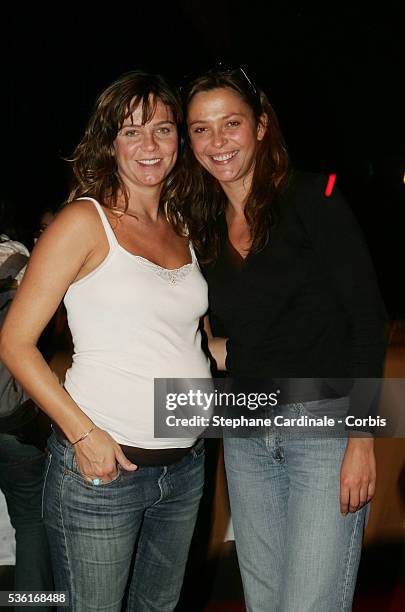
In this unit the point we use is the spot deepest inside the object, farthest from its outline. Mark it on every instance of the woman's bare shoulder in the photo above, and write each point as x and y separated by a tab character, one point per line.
76	219
82	209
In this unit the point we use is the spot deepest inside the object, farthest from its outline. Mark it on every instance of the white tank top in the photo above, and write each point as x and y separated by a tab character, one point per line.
133	321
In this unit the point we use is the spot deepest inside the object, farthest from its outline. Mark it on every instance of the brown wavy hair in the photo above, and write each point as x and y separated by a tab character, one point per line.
203	200
95	172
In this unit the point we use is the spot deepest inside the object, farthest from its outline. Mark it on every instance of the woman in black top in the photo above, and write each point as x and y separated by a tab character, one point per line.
292	288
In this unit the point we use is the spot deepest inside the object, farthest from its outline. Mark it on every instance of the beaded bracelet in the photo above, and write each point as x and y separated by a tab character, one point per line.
84	436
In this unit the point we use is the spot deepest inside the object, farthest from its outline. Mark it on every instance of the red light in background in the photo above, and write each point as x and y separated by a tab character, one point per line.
330	185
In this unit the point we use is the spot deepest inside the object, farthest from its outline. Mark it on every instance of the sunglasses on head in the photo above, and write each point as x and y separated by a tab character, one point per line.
219	68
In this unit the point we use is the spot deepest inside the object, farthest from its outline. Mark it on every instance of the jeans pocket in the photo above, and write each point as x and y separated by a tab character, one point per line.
77	475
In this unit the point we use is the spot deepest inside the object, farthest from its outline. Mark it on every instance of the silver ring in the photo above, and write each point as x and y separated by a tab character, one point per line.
96	481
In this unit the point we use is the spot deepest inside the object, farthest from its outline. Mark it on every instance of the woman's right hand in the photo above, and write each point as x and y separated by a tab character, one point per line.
97	456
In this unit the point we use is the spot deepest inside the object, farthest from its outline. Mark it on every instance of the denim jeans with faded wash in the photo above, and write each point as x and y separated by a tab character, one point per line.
122	545
21	480
296	551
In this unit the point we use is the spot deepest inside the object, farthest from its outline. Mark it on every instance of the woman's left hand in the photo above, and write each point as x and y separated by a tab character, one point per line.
357	474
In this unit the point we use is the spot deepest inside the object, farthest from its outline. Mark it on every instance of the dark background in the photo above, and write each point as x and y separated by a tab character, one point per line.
334	75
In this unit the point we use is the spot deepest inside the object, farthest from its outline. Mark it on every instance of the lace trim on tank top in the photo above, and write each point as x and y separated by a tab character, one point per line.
174	276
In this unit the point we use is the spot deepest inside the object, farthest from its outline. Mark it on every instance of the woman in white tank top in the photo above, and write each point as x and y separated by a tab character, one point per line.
119	504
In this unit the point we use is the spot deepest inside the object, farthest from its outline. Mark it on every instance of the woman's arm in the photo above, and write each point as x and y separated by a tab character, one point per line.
216	346
70	248
344	256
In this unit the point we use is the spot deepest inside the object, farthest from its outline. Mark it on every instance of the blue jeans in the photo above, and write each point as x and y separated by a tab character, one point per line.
296	551
124	544
21	480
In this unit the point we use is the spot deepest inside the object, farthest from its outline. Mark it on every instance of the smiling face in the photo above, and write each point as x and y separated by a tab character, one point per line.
146	153
224	134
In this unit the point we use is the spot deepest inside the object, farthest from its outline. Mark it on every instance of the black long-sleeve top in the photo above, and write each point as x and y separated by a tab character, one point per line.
308	304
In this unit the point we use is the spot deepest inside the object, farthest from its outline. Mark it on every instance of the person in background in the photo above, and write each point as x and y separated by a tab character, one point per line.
22	443
293	292
119	504
45	219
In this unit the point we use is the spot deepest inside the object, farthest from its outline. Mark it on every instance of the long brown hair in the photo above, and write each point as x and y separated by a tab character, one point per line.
94	166
203	197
